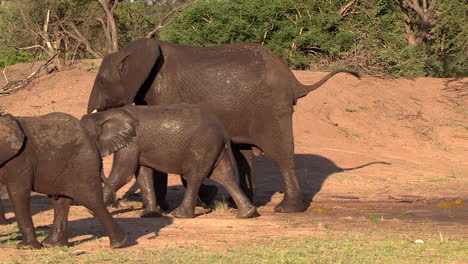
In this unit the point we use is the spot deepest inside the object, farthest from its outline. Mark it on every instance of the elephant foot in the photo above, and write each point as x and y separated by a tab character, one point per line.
110	197
53	241
248	211
29	245
291	206
119	240
206	195
150	213
180	212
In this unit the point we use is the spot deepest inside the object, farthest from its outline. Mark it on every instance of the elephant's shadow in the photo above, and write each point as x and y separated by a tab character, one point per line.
312	171
90	229
39	203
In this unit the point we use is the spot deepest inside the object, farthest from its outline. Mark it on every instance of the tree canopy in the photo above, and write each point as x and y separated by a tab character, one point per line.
385	37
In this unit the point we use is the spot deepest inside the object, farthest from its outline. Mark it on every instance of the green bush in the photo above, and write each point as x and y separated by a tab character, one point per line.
312	35
10	56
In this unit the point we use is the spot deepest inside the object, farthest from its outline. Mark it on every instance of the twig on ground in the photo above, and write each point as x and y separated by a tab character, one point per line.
13	86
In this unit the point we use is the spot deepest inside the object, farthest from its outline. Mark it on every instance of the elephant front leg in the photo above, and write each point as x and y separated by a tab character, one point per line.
148	184
59	233
124	167
19	196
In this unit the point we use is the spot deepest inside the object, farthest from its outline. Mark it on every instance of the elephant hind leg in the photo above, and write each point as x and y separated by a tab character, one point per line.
59	233
19	194
278	145
3	220
91	198
244	159
226	174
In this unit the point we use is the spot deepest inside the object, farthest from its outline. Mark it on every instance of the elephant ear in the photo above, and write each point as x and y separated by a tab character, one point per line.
116	132
11	138
136	62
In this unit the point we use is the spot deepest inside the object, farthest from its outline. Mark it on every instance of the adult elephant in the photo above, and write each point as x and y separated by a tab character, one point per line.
250	89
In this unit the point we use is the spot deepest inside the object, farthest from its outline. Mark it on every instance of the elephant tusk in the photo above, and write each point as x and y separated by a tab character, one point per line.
94	111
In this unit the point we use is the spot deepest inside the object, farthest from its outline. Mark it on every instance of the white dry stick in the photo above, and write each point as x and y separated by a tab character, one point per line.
4	74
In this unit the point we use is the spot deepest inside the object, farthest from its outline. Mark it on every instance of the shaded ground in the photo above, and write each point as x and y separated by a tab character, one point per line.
371	154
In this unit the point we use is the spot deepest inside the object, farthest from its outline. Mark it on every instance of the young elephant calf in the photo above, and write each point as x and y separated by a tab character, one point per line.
182	139
54	155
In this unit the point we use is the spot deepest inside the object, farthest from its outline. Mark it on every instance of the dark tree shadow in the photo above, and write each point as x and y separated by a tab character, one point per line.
134	227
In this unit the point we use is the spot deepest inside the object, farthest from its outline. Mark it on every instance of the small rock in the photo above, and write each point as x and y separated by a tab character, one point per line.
79	252
419	241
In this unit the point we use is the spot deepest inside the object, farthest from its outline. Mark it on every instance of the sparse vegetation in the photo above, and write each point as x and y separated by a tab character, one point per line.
367	247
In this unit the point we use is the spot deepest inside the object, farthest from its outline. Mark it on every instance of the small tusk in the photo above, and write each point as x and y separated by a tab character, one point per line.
94	111
133	104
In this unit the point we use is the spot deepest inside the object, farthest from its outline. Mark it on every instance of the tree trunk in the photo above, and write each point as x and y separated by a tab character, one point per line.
109	26
425	12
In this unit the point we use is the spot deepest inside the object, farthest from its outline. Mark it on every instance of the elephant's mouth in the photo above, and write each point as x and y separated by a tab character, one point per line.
257	151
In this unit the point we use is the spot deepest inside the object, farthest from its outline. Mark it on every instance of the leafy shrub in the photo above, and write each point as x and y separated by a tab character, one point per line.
10	56
312	34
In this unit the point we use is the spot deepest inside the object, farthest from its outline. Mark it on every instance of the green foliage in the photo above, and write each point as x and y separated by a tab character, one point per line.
312	34
449	41
10	56
307	34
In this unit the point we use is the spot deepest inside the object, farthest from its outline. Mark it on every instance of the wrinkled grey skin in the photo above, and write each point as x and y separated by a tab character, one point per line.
53	155
182	139
250	89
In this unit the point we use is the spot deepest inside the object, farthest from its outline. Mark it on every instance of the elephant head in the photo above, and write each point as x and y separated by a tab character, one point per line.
112	129
11	138
122	74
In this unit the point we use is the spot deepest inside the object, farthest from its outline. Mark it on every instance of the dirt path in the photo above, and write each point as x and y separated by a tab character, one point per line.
369	153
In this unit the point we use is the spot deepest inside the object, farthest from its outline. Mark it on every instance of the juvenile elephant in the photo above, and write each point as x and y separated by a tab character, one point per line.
182	139
53	155
250	89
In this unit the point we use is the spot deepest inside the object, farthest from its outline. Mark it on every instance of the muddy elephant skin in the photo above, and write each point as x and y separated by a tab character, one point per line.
182	139
250	89
53	155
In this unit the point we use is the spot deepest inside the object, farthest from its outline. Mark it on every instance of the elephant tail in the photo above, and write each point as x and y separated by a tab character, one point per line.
302	90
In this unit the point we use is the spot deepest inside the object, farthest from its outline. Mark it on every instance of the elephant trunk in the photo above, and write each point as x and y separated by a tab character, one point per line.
96	101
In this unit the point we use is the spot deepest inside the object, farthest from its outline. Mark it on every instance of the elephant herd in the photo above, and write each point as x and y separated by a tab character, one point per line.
160	108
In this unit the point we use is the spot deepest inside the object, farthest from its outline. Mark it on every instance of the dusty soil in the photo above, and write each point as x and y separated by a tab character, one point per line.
368	152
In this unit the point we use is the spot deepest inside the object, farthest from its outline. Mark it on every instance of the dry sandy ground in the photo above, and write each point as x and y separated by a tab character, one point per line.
403	144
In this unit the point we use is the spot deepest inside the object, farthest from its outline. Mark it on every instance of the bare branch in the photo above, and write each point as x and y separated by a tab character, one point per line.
164	21
114	6
4	74
85	41
113	46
